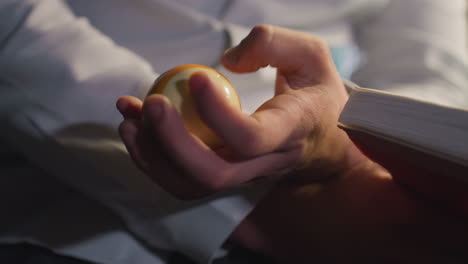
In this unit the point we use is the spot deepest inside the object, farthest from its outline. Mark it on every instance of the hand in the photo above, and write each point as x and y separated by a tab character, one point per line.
361	216
294	131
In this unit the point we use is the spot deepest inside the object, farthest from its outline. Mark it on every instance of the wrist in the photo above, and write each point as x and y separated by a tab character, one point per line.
335	155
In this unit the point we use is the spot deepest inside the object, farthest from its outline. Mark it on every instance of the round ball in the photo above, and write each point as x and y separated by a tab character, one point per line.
174	85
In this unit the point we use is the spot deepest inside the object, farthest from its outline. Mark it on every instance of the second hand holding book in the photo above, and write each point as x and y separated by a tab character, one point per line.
423	145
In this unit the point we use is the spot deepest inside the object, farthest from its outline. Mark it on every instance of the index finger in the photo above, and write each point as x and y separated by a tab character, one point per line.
288	51
264	131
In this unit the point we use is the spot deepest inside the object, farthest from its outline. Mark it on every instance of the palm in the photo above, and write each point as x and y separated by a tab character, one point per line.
294	131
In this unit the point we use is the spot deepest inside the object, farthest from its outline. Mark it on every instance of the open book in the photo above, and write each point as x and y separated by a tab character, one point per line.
423	145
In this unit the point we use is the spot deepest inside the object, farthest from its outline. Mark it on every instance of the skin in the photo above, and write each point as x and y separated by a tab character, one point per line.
308	99
331	203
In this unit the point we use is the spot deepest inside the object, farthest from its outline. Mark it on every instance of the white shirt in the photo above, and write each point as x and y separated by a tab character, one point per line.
63	64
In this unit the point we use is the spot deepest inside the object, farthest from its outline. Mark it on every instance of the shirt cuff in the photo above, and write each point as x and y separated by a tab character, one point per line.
200	230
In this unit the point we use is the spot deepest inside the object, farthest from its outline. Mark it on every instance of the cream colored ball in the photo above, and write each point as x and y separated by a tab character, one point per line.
174	85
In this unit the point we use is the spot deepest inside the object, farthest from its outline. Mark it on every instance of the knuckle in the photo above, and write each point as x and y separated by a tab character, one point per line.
249	144
262	32
255	45
318	47
304	111
320	43
262	36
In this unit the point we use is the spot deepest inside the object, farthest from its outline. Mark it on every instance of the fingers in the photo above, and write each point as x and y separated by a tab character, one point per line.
129	132
205	170
268	142
272	165
272	128
154	163
230	123
192	155
182	164
289	51
129	107
176	160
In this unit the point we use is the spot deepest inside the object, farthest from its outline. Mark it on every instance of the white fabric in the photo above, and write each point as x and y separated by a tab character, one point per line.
417	48
63	64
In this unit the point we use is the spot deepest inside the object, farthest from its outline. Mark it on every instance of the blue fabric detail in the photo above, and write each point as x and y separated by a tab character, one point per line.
345	59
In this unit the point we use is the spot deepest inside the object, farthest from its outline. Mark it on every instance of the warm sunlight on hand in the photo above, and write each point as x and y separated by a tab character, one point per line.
295	131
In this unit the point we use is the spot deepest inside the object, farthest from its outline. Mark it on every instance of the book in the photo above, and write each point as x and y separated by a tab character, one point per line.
423	145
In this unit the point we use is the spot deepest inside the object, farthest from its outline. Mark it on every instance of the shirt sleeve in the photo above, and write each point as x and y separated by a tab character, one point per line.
60	79
416	48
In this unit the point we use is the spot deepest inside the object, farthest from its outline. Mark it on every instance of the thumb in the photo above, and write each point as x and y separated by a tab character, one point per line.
291	52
